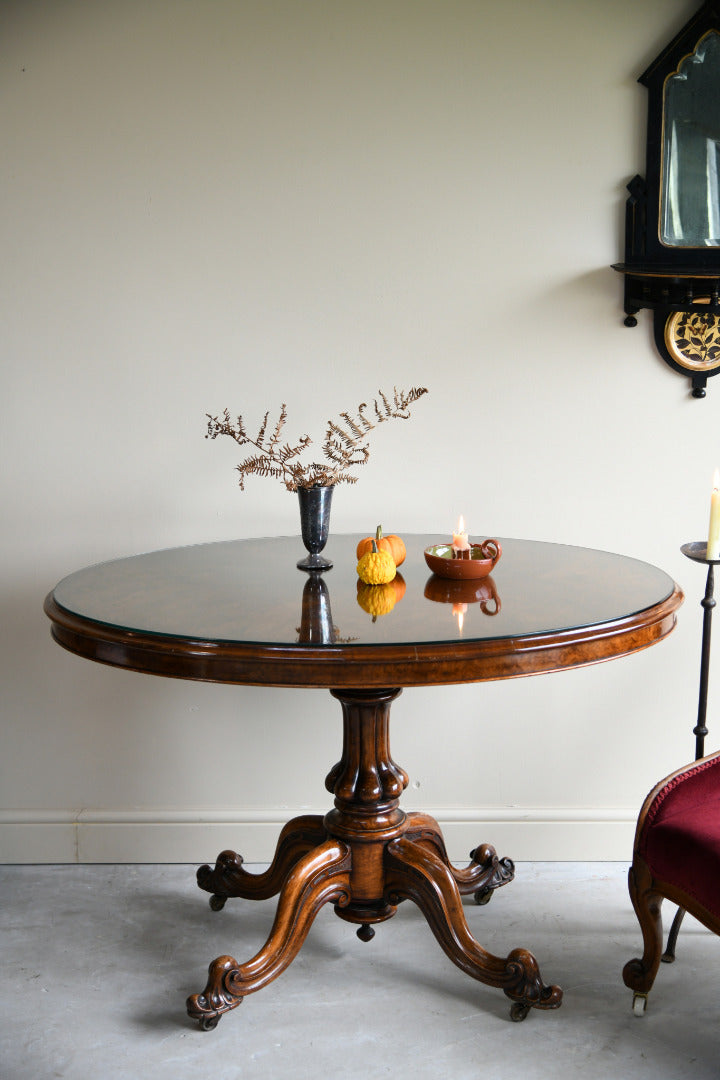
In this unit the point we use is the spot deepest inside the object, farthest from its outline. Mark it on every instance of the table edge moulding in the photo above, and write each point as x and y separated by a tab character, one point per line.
367	855
348	665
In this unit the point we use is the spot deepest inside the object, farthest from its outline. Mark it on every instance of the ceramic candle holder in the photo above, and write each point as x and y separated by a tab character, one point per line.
443	561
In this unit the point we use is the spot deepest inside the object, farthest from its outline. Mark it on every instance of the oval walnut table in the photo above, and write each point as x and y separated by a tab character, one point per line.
241	612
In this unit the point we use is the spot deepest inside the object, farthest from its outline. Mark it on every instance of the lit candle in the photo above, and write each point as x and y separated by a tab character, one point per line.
713	545
460	536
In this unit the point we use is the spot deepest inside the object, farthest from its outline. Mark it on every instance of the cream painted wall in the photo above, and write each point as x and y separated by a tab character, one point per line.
219	202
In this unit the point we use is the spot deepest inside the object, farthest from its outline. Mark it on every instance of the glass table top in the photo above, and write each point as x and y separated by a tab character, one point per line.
252	591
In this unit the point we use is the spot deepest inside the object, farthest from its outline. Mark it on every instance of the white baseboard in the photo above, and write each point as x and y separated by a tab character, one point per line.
195	836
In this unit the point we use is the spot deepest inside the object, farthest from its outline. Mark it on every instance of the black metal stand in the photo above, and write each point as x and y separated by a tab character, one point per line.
698	553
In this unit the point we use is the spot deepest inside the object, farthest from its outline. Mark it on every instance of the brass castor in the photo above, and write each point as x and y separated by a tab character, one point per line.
639	1004
217	903
209	1022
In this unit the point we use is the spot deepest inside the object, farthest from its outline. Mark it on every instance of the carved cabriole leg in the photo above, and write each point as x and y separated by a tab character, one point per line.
639	974
416	872
485	873
320	876
668	957
424	829
228	878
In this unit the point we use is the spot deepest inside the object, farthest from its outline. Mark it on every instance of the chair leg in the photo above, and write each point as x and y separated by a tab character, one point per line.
669	955
639	974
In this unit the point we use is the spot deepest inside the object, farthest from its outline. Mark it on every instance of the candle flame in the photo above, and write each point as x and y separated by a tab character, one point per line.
459	610
461	523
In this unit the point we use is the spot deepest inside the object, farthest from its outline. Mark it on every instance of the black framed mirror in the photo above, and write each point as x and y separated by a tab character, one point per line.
672	217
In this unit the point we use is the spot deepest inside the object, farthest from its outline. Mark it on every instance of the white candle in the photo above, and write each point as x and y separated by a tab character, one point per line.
460	537
713	545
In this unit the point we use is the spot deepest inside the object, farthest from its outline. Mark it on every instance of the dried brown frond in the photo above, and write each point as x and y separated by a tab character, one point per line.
345	445
275	437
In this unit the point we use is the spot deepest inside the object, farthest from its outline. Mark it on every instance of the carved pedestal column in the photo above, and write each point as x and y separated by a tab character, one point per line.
367	785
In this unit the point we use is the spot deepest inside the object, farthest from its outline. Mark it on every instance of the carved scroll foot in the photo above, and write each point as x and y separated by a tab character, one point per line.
485	873
228	878
639	974
216	998
490	873
416	872
321	875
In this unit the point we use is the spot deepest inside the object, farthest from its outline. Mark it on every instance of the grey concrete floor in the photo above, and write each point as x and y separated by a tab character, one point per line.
97	961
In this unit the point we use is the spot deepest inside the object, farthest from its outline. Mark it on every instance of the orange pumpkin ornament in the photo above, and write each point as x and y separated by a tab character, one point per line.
391	543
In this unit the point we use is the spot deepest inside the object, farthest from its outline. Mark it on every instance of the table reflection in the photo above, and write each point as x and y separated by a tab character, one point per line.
379	600
462	593
316	624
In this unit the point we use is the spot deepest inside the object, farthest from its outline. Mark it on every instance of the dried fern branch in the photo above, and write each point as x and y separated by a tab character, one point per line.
345	445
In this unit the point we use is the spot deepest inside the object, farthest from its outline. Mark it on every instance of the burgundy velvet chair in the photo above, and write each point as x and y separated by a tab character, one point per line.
676	857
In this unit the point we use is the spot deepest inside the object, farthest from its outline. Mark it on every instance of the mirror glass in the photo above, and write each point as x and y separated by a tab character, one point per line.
690	193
